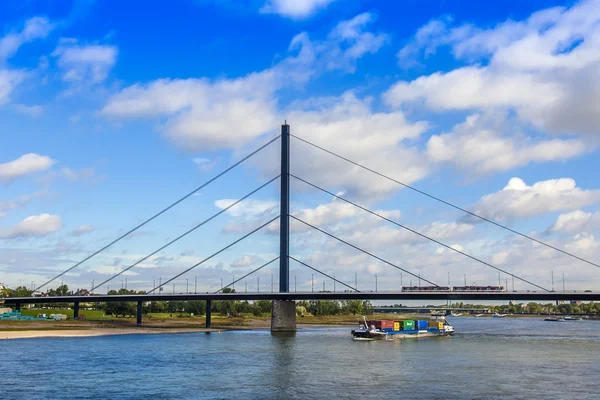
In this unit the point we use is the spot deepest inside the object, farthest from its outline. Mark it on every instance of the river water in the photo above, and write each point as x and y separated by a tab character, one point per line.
488	358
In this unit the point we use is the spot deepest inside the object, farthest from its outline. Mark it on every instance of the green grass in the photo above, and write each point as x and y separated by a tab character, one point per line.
87	314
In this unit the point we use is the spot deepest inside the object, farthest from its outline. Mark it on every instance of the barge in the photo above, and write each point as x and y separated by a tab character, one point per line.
389	330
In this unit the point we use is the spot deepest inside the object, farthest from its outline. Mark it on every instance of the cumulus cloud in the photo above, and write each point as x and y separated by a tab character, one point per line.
546	69
24	165
347	42
349	125
487	143
248	208
295	9
35	28
85	63
35	225
200	112
576	222
518	200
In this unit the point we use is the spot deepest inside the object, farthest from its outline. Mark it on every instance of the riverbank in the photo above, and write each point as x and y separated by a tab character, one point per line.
127	326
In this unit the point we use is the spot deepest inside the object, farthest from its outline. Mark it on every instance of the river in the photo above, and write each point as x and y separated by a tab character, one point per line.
488	358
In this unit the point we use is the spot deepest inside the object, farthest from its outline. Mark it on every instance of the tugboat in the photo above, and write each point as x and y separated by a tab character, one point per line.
389	330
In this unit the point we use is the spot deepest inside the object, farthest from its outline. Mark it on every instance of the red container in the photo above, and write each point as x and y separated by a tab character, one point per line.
381	324
387	324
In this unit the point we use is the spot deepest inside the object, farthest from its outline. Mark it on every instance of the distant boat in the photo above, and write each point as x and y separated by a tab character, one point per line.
496	315
554	319
456	315
567	318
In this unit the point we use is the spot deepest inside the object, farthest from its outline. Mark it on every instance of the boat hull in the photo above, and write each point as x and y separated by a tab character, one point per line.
369	336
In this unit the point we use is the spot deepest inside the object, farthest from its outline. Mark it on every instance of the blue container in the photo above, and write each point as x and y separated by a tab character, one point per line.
422	325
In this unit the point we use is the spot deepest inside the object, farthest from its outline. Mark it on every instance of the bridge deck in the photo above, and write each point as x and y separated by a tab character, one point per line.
472	296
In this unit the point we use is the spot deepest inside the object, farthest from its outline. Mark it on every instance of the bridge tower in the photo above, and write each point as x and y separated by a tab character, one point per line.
283	317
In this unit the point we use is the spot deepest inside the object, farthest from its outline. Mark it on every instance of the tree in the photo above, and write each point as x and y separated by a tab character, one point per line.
352	307
123	308
21	291
367	307
197	307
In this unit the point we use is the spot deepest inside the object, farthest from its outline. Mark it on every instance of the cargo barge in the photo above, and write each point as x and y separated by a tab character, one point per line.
388	330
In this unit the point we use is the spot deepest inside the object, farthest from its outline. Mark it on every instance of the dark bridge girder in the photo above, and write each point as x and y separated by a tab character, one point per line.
502	296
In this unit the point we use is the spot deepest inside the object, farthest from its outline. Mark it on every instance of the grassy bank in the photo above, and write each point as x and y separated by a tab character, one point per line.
97	320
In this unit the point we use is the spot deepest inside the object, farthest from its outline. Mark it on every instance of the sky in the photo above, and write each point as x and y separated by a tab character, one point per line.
111	111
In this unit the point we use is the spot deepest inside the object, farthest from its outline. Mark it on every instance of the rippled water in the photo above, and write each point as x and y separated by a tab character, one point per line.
488	358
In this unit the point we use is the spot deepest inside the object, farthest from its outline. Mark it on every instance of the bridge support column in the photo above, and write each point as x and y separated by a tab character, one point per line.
76	310
17	306
139	313
208	312
283	318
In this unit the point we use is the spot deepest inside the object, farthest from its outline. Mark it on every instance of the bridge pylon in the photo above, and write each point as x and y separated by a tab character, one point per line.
283	315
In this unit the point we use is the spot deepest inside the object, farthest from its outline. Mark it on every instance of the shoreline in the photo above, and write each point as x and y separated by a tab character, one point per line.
95	332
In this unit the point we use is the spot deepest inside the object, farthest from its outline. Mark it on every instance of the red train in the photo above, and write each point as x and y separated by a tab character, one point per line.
453	289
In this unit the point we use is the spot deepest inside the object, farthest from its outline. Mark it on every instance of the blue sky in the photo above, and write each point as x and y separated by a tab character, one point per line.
110	112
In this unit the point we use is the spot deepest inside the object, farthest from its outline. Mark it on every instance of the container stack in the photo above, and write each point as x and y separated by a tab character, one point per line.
422	325
436	325
409	325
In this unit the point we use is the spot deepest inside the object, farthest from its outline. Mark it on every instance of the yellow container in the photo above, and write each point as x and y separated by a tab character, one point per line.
396	325
436	325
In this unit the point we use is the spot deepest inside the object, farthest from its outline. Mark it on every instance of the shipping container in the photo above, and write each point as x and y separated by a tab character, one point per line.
396	325
409	325
436	325
422	325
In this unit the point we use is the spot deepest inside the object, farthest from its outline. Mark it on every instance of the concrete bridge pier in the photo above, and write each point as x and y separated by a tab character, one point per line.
208	312
283	317
139	313
76	310
17	306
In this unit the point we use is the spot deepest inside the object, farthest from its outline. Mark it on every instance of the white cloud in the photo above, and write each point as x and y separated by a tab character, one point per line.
384	235
35	28
517	200
295	9
85	63
9	79
322	216
345	44
248	208
20	202
83	229
487	143
205	164
35	225
576	222
546	69
112	270
24	165
348	125
201	112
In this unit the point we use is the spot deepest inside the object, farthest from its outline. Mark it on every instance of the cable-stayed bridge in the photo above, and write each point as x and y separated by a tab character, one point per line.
283	305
